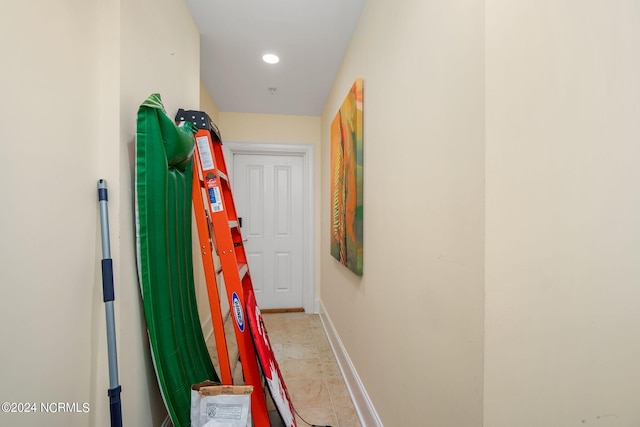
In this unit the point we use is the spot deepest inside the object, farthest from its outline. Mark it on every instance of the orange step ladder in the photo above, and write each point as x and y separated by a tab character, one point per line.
219	232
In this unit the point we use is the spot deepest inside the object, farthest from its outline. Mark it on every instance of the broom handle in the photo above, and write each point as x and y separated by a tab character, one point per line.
109	296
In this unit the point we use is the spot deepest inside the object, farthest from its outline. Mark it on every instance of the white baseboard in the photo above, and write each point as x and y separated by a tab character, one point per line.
366	412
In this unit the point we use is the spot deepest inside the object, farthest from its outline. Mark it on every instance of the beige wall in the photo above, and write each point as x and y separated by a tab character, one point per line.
160	53
413	324
48	249
74	76
562	248
207	104
276	128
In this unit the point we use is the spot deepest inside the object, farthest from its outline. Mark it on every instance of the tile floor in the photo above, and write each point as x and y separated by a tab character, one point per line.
309	368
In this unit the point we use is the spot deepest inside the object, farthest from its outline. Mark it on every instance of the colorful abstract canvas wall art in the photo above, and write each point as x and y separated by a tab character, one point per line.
346	181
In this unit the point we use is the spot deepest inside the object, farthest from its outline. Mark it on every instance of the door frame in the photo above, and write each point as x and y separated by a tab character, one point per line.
305	151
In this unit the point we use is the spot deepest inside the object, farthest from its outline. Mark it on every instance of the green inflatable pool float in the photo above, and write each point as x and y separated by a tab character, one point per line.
163	180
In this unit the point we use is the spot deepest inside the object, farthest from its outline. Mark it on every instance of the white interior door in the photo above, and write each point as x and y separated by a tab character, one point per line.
268	192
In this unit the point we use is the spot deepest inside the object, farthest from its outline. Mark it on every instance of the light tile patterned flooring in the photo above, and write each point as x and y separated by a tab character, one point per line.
311	373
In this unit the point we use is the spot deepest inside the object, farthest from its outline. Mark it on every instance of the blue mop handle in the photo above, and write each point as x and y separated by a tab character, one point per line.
115	407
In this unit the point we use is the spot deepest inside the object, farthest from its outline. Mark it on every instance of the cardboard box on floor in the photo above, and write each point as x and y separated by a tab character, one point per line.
215	405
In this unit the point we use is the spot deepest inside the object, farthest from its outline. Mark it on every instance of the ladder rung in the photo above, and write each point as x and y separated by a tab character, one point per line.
223	175
242	270
233	224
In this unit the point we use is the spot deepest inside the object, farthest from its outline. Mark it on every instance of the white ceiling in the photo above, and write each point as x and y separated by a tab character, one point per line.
309	36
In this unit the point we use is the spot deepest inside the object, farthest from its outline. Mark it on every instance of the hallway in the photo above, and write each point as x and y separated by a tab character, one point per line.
308	365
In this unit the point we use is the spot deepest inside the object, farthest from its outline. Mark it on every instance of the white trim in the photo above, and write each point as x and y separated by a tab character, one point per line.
167	422
366	412
306	152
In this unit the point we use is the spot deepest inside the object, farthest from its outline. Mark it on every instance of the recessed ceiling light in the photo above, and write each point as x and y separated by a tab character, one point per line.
270	58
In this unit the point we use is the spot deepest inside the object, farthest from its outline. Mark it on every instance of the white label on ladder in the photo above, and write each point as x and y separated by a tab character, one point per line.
213	191
205	153
215	199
